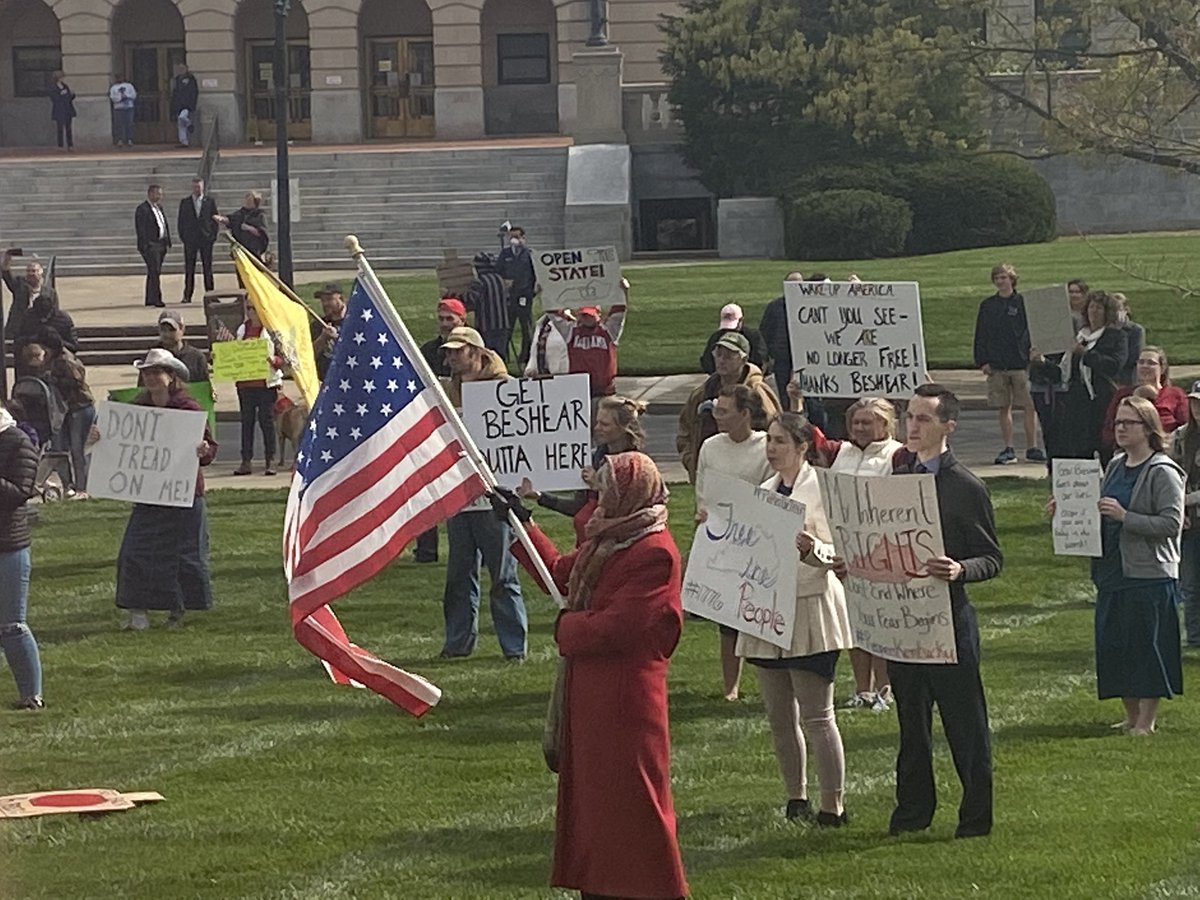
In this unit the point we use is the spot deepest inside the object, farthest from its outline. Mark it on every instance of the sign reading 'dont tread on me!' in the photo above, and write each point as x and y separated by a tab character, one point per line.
856	339
579	277
741	571
887	529
146	454
535	428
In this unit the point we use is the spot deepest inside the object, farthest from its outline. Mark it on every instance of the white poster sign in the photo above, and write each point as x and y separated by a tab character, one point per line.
1076	522
535	428
887	529
579	277
741	571
146	454
851	339
1048	312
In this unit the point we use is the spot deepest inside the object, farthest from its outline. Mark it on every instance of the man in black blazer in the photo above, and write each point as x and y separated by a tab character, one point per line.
972	554
153	240
198	231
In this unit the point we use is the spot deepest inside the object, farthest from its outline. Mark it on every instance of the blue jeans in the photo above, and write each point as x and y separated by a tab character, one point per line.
1189	583
123	125
471	535
20	649
73	439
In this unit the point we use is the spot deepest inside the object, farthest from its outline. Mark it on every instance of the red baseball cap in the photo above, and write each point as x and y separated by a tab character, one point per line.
590	311
454	305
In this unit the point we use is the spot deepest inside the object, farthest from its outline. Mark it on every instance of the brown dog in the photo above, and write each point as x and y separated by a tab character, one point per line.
290	419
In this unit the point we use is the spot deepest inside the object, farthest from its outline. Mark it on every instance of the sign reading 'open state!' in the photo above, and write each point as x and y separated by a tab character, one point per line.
856	339
584	276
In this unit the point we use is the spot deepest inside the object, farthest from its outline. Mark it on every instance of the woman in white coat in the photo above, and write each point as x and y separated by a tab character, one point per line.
797	683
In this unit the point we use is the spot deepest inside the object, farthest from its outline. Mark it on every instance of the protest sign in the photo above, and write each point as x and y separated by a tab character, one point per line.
241	360
146	454
535	428
200	391
1048	312
887	529
741	571
579	277
849	339
1076	523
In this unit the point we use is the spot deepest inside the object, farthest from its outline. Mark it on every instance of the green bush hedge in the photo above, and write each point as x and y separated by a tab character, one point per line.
954	203
847	224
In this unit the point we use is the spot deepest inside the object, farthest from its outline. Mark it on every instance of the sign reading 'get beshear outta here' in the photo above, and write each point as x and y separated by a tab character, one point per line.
856	339
585	276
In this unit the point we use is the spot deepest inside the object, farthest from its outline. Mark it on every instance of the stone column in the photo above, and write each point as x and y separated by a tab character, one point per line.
458	74
337	101
598	96
87	62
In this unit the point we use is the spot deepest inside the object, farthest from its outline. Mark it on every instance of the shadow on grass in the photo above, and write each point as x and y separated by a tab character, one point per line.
1049	731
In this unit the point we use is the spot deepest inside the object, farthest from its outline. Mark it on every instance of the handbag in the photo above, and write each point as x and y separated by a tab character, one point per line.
552	733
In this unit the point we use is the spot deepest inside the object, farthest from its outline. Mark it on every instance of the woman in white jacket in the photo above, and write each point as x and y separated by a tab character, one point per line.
797	683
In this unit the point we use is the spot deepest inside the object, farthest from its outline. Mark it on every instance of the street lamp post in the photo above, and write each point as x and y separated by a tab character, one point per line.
283	204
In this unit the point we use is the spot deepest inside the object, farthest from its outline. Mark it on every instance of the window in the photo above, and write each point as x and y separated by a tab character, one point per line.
523	58
33	70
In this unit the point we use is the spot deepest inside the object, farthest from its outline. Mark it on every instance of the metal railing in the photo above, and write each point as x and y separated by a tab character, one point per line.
212	151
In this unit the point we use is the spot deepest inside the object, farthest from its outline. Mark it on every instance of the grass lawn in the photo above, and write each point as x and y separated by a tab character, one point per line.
280	785
675	307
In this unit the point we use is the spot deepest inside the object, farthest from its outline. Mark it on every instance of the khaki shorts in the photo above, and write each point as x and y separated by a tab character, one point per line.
1008	387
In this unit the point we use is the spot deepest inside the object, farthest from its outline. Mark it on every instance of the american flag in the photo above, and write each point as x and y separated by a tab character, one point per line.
378	465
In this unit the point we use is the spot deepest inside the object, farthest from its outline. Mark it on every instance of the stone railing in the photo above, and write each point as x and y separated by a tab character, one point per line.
647	114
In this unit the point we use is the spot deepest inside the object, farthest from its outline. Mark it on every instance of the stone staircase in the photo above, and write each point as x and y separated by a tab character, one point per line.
406	205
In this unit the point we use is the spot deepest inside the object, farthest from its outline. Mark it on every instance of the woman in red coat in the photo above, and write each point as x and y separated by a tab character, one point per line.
615	828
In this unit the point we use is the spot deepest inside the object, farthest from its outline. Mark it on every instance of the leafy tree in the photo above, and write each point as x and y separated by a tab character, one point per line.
768	88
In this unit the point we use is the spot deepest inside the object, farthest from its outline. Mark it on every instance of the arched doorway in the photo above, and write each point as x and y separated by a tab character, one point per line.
147	44
254	32
32	40
520	67
397	50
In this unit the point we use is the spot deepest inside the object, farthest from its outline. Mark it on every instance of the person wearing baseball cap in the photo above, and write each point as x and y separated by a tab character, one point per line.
1185	450
731	356
476	534
592	345
325	332
170	338
733	320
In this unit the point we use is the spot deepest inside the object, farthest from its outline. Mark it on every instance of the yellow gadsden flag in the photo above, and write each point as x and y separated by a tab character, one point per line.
287	321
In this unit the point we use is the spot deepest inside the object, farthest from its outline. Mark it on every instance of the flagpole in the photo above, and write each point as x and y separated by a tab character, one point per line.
235	248
427	375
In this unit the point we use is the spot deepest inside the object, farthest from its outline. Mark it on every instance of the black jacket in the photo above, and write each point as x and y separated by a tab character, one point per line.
517	267
146	227
43	316
18	472
968	533
436	357
197	230
1002	333
256	244
22	300
774	331
758	348
185	94
62	102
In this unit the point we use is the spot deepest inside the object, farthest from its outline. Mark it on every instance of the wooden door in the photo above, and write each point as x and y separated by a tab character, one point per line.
401	87
260	86
150	67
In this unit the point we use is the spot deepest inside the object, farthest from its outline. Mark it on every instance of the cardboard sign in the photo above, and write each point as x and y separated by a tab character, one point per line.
146	454
1048	312
200	391
1076	523
887	529
535	428
241	360
582	277
741	571
856	339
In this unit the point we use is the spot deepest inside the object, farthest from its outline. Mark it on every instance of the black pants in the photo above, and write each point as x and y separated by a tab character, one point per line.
154	255
257	404
958	692
64	132
427	546
204	248
520	312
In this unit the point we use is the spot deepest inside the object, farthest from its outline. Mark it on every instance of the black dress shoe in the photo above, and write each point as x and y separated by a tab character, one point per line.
798	809
961	832
159	304
832	820
895	830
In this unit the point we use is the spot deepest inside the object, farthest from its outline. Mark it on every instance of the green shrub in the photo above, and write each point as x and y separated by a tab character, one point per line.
977	201
847	224
864	176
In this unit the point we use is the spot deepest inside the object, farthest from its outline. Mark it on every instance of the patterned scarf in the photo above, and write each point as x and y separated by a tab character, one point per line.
632	505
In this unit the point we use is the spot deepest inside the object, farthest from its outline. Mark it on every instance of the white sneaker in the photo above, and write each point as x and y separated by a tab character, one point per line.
880	704
135	620
861	700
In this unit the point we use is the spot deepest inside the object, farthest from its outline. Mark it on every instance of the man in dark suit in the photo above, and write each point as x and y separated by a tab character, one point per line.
153	240
198	231
972	554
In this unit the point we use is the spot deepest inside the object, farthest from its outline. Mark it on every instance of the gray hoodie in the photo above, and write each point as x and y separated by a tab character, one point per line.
1154	520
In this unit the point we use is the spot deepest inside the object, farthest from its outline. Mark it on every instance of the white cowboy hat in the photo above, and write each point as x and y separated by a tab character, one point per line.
159	358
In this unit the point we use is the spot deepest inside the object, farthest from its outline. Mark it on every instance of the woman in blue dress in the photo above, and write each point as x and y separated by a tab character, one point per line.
1137	626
